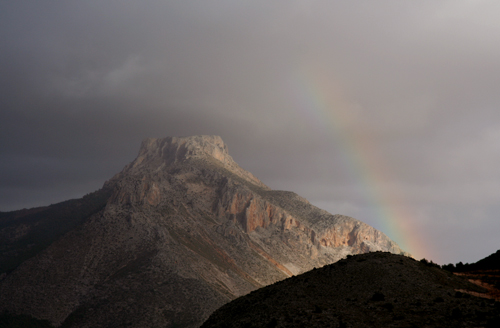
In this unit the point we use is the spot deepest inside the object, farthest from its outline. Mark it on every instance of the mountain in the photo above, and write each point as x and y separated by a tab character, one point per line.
491	262
485	273
367	290
177	233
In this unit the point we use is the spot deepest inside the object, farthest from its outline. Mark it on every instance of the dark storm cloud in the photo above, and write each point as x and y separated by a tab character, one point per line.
82	83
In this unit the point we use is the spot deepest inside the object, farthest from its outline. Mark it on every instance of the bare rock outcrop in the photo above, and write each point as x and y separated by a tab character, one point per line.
184	229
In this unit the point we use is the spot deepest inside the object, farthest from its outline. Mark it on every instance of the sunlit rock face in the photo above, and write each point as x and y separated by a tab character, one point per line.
184	230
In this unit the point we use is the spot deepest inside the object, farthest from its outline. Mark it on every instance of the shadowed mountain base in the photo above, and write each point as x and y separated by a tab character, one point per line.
368	290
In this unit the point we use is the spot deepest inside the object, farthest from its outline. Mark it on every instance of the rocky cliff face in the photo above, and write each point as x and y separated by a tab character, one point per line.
184	230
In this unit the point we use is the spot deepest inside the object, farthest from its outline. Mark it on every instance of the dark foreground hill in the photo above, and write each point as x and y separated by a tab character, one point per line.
368	290
182	230
485	272
491	262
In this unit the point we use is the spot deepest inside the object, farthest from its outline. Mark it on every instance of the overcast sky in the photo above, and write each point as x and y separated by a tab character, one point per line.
386	111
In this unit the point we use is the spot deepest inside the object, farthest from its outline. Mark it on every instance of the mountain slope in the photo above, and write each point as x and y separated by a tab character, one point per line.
25	233
490	262
184	230
485	273
367	290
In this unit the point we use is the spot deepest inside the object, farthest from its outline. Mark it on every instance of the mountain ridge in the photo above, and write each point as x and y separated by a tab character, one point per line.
377	289
184	230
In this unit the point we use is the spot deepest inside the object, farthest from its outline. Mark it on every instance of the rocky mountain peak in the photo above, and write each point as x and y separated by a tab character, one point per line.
178	149
160	153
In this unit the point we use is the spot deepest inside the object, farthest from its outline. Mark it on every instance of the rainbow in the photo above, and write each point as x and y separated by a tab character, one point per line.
322	103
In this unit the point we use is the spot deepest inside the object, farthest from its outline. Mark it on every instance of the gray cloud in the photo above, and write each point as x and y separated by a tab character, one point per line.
409	109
